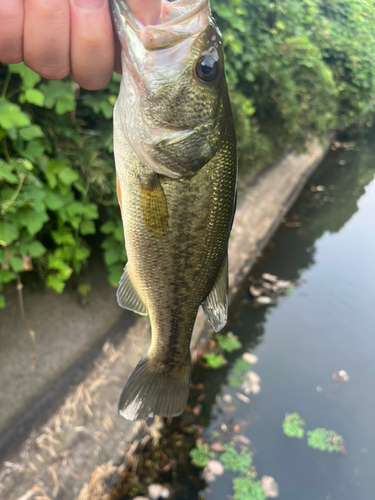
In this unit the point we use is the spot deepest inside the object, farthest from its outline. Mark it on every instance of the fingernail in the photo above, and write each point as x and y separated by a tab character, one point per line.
95	4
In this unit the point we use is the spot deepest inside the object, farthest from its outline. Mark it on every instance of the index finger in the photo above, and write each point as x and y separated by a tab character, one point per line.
11	31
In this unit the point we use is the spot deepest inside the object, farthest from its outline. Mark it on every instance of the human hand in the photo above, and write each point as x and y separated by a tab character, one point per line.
56	38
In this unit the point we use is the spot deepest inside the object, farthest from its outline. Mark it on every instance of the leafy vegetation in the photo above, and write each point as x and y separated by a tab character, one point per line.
228	342
295	68
325	440
239	372
201	455
236	461
57	179
293	426
214	360
246	488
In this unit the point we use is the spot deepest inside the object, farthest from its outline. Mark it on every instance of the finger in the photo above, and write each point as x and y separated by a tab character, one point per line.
11	31
46	37
92	51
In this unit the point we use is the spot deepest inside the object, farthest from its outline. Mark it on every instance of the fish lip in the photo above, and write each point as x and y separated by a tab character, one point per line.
150	35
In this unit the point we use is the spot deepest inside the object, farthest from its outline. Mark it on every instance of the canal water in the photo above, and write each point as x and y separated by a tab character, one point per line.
324	324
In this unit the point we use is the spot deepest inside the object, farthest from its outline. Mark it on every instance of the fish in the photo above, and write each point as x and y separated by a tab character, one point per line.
176	168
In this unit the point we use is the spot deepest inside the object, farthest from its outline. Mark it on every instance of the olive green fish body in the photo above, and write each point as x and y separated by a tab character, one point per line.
177	196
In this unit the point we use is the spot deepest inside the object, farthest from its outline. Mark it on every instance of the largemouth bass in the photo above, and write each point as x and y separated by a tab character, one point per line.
176	165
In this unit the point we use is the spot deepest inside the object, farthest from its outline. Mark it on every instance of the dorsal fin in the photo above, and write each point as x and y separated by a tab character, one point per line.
215	307
127	295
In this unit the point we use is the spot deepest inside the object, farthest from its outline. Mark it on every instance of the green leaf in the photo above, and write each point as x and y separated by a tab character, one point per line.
33	96
245	488
228	343
53	201
2	302
6	276
90	211
81	253
11	115
8	233
54	282
6	173
34	149
67	175
214	360
325	440
65	104
115	273
16	264
201	455
30	133
58	95
29	78
236	461
108	227
112	256
63	237
33	221
36	249
293	426
87	227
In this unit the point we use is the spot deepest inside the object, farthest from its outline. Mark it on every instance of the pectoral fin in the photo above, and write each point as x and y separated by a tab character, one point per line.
127	295
215	307
154	207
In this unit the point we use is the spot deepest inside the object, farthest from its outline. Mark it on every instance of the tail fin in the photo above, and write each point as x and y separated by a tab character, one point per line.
149	392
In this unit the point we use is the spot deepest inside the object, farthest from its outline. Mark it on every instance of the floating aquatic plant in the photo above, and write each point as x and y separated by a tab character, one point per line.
245	488
228	342
201	455
234	460
239	372
214	360
325	440
293	425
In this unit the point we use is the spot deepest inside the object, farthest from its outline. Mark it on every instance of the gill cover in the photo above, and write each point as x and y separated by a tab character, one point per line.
167	114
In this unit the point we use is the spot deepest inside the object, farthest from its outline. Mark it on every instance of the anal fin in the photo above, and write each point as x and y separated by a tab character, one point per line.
127	295
215	306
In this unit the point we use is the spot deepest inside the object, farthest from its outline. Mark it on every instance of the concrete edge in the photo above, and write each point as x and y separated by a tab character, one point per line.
85	434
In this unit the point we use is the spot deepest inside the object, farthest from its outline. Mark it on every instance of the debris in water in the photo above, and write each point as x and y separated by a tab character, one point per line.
243	398
318	388
250	358
215	467
269	287
242	440
227	398
217	447
269	277
341	376
255	292
251	384
270	486
263	301
156	491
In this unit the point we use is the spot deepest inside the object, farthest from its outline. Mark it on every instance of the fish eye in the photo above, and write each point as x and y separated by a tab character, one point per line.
207	69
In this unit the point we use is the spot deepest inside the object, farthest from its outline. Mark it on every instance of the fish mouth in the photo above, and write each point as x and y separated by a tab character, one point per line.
180	20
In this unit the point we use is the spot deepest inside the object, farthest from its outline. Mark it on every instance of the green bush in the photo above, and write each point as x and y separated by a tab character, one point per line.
295	68
57	178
